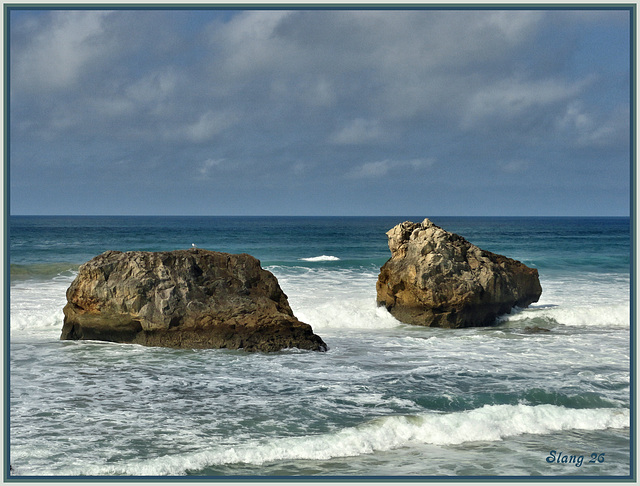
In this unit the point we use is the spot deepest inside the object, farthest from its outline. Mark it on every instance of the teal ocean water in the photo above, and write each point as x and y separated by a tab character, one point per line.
387	400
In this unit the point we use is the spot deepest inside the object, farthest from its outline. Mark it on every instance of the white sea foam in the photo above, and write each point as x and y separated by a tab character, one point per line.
345	299
602	315
36	307
321	258
586	289
334	298
348	314
489	423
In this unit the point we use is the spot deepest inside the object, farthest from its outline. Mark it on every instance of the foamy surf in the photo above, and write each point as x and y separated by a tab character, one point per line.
321	258
487	424
386	400
348	314
37	306
608	315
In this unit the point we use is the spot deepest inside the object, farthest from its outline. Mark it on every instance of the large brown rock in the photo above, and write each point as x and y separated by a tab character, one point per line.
184	299
437	278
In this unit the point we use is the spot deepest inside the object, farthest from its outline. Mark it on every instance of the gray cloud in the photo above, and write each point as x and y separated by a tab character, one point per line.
56	56
303	95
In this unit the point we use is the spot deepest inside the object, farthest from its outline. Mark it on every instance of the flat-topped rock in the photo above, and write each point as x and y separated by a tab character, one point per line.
184	299
437	278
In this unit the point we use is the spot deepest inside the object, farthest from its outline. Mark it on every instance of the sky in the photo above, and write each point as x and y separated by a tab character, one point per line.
461	112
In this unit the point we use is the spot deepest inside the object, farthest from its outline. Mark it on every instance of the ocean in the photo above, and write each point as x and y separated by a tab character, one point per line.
386	401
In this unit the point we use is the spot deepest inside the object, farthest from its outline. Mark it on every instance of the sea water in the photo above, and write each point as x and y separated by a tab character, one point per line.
387	400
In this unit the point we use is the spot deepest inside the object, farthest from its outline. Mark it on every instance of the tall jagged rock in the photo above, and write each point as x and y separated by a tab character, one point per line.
185	299
437	278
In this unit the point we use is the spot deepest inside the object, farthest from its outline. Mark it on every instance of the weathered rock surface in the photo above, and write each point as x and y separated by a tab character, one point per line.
437	278
184	299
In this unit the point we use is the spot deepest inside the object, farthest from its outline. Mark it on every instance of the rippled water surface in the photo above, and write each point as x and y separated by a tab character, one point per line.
387	399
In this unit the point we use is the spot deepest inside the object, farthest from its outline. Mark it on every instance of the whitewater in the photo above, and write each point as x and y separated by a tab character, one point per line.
387	400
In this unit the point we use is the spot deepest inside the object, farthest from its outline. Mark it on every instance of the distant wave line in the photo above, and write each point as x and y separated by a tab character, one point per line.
321	258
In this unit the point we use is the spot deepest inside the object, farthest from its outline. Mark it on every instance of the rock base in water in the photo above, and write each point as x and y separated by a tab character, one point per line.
183	299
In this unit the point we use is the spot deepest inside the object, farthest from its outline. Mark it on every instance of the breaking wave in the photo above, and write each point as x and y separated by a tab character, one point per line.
602	315
486	424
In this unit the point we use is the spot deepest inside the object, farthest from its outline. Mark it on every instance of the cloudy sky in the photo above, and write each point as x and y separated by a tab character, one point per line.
320	112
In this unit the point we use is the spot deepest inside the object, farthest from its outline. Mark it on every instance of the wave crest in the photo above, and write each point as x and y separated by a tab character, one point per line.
321	258
489	423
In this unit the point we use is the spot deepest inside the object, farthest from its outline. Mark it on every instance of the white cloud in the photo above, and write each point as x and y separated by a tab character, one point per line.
300	168
613	131
115	107
378	68
358	131
574	118
154	87
381	168
514	166
58	51
320	93
254	25
513	26
248	43
511	98
207	167
590	130
208	125
390	63
304	91
371	169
